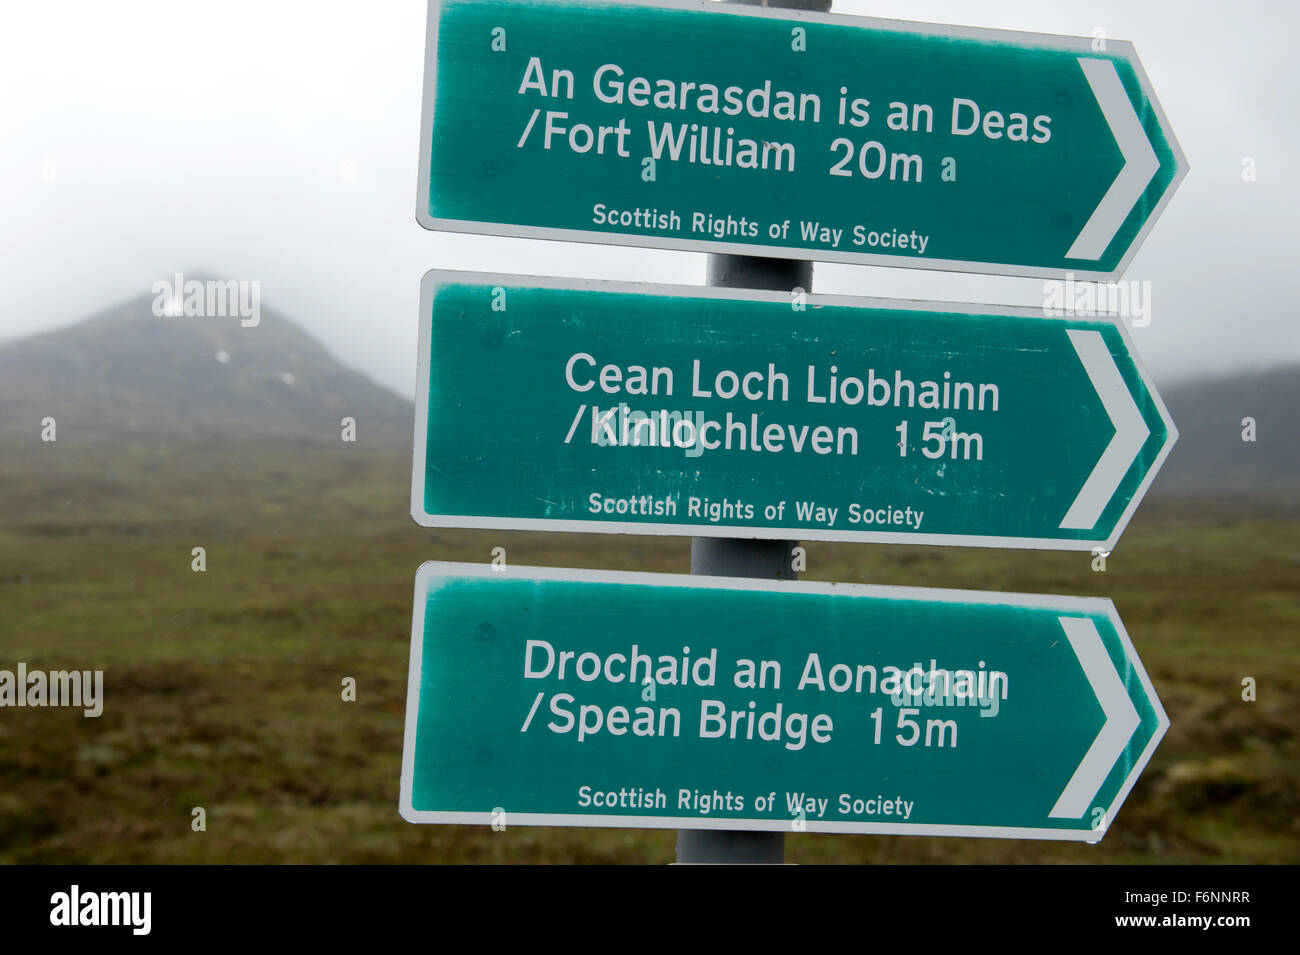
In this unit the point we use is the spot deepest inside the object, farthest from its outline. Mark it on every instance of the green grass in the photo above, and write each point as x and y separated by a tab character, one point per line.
222	689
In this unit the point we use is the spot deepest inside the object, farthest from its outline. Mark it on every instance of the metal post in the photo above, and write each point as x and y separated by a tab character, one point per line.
731	557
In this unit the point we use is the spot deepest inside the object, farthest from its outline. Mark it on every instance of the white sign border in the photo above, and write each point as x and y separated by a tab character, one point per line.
435	277
1050	41
1092	606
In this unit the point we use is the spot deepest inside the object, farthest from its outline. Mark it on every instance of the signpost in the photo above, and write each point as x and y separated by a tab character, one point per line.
687	124
543	696
730	708
574	405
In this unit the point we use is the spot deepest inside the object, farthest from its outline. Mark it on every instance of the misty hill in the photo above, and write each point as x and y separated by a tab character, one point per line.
126	375
1211	457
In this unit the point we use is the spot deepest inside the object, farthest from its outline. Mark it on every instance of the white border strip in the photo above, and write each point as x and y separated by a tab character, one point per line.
1063	44
1065	605
436	277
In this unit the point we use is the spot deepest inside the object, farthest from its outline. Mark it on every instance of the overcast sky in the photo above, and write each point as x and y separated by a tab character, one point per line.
276	140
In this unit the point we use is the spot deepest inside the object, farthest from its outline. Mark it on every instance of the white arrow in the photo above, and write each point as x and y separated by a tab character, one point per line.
1131	430
1140	162
1121	719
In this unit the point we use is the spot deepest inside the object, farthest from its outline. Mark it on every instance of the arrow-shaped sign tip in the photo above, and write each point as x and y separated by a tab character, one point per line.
1121	720
1140	162
1131	431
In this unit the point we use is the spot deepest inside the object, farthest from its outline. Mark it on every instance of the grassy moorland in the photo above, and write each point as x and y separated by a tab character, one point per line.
223	688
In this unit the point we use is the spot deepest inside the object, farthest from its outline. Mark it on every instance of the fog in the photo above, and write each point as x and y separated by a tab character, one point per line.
277	142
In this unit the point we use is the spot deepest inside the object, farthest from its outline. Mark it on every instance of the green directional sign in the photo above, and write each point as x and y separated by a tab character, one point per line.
727	128
572	405
582	698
